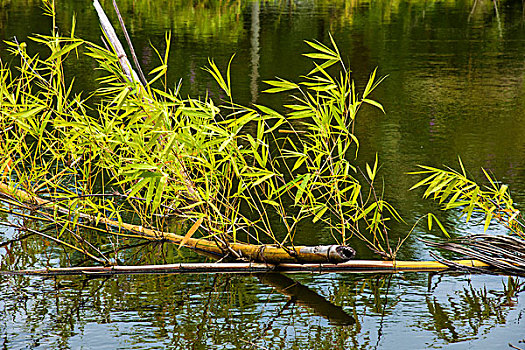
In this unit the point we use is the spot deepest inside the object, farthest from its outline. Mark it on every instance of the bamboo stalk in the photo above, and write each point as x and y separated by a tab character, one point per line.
260	253
117	46
354	266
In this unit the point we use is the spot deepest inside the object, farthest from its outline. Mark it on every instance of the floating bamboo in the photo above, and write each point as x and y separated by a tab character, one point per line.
353	266
270	254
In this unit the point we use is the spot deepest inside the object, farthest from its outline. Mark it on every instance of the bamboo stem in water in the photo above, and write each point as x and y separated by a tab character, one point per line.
353	266
260	253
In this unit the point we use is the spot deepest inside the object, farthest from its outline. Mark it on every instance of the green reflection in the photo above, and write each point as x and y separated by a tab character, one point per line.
470	311
455	87
224	311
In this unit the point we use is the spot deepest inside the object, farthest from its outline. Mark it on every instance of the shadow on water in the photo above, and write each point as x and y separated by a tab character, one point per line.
304	296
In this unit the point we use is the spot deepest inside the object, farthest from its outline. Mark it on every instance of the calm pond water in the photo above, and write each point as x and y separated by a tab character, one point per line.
455	86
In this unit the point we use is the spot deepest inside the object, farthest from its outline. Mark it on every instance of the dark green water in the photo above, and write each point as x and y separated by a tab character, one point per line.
455	87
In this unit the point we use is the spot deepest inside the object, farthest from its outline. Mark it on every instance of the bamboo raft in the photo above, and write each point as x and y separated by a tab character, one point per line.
264	258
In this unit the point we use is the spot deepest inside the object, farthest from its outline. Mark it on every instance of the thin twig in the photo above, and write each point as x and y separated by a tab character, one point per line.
83	251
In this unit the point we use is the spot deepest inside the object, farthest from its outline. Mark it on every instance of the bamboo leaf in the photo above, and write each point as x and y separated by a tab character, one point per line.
432	217
280	85
321	47
301	188
66	49
318	215
320	56
191	231
159	191
375	104
488	218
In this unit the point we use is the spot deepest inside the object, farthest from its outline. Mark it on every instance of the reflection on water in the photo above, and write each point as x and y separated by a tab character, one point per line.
455	87
225	311
304	296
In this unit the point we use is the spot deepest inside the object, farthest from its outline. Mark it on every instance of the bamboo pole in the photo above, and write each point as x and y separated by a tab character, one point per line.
260	253
353	266
115	42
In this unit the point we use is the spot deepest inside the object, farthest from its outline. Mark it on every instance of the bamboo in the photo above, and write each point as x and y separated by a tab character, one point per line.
117	46
260	253
354	266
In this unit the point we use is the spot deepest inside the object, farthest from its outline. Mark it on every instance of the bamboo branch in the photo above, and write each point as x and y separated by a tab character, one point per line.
112	37
130	44
260	253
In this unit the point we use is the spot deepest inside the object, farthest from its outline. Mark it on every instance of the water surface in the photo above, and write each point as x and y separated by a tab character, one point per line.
455	87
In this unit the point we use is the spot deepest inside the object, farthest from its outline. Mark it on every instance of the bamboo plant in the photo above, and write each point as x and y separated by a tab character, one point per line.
135	152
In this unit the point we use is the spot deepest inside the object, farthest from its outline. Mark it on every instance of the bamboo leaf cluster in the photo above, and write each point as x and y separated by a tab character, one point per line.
454	190
141	153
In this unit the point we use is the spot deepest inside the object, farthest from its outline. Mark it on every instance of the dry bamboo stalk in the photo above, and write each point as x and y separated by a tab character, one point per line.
117	46
260	253
354	266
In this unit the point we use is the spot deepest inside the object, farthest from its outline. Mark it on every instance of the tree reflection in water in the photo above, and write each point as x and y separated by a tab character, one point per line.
471	312
199	311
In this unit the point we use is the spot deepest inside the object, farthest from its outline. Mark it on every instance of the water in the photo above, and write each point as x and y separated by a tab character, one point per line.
455	87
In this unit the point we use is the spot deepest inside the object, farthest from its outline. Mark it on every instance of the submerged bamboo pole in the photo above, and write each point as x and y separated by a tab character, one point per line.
353	266
270	254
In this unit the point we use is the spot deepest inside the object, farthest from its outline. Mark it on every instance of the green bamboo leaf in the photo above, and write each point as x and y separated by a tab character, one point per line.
488	218
138	186
369	84
262	179
472	204
320	56
368	209
160	71
322	67
280	85
446	193
321	47
318	215
301	188
375	104
423	182
66	49
441	227
159	191
462	167
299	162
27	113
270	202
153	183
216	74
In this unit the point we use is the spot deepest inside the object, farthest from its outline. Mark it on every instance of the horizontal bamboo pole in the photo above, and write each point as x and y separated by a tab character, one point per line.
354	266
260	253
